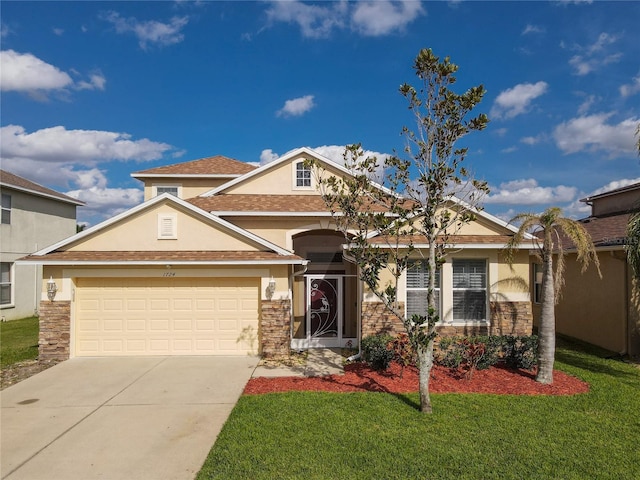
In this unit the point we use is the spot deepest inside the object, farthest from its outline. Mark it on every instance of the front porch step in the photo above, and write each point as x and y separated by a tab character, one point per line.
320	362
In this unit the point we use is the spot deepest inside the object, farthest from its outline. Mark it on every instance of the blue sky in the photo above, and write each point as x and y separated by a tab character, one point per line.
93	91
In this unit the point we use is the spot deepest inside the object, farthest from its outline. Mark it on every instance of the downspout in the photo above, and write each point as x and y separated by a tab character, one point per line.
305	267
350	259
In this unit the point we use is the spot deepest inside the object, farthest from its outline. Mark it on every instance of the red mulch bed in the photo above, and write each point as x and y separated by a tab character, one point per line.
359	377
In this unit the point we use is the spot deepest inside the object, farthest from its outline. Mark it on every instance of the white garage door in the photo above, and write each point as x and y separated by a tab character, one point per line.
166	316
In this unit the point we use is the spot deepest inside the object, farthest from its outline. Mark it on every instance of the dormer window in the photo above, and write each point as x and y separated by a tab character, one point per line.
303	175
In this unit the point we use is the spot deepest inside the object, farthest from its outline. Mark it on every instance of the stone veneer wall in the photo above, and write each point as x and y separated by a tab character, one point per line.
275	328
507	318
376	319
55	330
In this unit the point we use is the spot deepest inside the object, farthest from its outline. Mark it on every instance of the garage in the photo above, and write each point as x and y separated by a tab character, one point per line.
166	316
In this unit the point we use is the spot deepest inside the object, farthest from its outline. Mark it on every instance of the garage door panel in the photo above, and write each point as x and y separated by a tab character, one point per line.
161	316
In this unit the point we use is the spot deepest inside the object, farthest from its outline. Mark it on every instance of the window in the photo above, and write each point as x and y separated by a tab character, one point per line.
6	209
173	190
303	175
469	290
417	284
5	283
537	283
167	227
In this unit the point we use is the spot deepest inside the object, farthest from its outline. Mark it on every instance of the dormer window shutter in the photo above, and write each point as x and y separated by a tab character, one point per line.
167	226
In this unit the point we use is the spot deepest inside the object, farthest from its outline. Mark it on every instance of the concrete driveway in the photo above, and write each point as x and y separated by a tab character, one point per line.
119	418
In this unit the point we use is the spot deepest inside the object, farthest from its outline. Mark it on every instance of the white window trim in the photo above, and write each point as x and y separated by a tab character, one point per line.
12	283
537	271
154	192
438	289
487	315
294	183
7	209
163	233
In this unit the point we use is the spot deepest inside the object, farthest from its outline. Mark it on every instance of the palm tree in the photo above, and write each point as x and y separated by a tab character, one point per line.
633	243
552	228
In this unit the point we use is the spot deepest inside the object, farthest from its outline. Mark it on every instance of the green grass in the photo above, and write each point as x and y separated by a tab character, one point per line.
18	340
381	436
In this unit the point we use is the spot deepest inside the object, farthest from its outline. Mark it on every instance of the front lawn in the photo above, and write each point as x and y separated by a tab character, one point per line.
18	340
315	435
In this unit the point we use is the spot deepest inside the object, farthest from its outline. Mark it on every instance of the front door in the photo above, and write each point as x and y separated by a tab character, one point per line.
324	310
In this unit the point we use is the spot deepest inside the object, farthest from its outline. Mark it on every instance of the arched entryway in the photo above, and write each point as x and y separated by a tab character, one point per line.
326	298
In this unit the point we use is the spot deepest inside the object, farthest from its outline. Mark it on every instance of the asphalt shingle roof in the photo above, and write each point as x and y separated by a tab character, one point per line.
11	180
159	256
217	165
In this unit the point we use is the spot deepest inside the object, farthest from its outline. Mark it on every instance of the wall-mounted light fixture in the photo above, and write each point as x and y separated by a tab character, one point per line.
52	289
271	288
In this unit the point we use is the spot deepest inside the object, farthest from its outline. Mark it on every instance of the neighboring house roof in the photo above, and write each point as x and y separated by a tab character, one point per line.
211	167
633	186
274	205
161	257
607	231
16	182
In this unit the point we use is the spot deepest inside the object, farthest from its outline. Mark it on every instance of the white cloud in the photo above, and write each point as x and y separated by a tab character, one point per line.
377	18
516	100
532	29
509	150
25	72
368	18
531	140
593	133
586	105
613	185
296	106
314	21
528	192
631	88
501	132
102	202
593	57
59	145
150	32
267	156
4	30
58	31
96	82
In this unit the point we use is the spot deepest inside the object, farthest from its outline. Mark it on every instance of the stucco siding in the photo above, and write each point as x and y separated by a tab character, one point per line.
140	233
592	309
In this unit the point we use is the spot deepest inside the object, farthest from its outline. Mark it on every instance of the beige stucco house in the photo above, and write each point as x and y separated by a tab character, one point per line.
224	258
33	217
602	311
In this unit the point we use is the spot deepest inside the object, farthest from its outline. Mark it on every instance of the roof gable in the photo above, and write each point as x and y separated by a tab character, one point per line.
118	233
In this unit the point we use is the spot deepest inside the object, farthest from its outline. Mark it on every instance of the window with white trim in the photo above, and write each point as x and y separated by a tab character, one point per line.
417	286
6	209
5	284
469	290
303	175
172	189
167	226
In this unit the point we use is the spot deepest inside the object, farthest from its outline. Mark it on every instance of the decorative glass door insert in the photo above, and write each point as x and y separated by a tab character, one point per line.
324	310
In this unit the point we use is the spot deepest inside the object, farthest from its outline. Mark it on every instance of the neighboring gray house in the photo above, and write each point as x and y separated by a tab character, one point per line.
33	217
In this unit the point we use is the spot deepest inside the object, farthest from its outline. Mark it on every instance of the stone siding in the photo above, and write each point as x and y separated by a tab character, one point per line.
275	328
507	318
55	330
376	320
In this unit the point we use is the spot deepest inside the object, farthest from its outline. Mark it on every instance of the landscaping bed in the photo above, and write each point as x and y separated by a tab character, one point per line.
360	377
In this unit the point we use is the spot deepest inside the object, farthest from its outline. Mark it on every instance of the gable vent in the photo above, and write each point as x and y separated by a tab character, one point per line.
167	227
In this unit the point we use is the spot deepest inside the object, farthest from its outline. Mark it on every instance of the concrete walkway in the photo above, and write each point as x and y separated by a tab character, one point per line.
320	362
119	418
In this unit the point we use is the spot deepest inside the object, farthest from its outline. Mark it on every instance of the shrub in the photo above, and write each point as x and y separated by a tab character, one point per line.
521	352
375	351
402	351
465	352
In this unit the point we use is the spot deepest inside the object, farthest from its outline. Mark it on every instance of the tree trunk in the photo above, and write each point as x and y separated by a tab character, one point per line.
425	362
547	328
